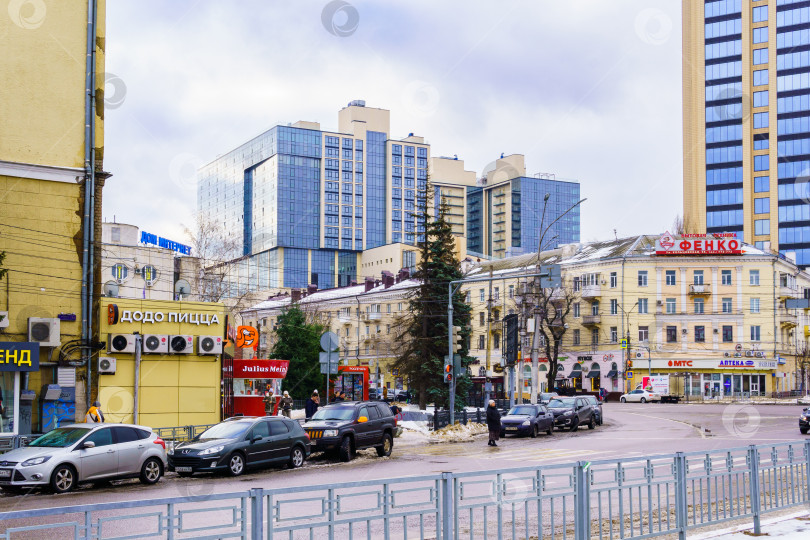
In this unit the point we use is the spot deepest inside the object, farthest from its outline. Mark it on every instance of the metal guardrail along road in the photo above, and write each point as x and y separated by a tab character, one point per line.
630	498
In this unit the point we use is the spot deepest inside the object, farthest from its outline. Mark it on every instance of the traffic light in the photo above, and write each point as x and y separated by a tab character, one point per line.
456	339
448	369
629	364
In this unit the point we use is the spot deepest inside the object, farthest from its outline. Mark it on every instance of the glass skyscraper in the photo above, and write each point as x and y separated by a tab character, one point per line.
304	202
742	60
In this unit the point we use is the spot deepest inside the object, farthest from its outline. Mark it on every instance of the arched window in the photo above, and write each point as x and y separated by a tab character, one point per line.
595	366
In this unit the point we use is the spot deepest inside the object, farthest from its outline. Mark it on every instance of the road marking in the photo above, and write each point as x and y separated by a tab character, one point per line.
523	453
700	431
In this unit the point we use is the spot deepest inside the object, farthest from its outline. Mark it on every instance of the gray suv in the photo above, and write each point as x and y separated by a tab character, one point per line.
572	412
77	453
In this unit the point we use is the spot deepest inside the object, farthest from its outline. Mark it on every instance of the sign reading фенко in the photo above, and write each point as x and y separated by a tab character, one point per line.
698	244
19	356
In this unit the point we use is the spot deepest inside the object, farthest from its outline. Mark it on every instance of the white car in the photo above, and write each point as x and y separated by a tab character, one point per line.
640	396
77	453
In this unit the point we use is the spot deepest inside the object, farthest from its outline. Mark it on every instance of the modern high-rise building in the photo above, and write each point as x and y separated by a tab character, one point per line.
304	202
742	61
505	211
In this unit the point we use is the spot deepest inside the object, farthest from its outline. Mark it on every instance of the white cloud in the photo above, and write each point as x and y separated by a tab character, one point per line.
586	90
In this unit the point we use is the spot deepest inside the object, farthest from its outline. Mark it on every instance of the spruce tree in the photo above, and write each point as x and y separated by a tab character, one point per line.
299	342
425	332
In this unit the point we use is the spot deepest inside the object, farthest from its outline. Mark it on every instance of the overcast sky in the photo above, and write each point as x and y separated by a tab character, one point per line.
587	90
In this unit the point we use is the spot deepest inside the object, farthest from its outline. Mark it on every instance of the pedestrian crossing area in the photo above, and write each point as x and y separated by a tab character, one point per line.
523	453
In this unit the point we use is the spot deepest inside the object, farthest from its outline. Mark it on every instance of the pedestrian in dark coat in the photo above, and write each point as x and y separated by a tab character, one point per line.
311	405
493	423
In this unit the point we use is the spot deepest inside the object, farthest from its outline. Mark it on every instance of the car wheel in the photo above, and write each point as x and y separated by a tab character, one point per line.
384	450
236	464
623	400
296	458
644	400
346	450
151	471
803	430
575	425
534	432
63	479
592	423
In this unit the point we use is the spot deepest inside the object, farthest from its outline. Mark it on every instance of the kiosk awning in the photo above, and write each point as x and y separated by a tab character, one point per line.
576	374
612	374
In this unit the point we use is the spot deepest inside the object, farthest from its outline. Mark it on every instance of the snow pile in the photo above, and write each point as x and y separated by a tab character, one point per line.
417	426
458	432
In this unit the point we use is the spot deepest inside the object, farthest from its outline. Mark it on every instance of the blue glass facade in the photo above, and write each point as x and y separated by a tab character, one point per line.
724	115
793	128
531	192
375	189
475	216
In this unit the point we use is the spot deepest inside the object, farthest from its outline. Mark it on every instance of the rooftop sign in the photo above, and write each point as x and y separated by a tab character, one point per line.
698	244
155	240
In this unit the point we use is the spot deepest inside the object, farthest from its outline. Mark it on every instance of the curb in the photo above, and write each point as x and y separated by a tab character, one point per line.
749	526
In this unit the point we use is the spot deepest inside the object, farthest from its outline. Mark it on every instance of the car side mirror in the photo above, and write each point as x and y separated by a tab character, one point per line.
254	439
362	419
89	444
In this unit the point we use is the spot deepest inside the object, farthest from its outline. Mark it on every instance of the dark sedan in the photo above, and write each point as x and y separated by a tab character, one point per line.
804	421
237	444
572	412
527	420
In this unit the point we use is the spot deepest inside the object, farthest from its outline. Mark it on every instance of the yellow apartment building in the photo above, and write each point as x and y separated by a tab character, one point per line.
714	320
51	164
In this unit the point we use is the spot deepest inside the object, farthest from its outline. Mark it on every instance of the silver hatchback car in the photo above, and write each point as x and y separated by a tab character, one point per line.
76	453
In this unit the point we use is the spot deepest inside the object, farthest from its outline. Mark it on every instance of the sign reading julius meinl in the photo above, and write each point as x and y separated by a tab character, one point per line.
698	244
260	369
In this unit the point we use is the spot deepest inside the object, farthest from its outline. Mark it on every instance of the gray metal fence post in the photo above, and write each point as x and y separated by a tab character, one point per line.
256	513
807	470
582	501
753	461
681	504
447	506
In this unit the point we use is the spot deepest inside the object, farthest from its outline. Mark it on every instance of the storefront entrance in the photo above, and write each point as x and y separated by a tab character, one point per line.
717	385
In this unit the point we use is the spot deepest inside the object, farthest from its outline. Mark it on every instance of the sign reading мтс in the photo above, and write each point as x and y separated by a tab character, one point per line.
19	356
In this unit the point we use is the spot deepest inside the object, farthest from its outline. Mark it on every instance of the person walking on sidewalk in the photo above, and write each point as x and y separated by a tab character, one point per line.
286	404
493	423
94	414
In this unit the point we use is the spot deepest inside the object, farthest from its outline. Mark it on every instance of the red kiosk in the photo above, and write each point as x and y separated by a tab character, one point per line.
251	380
353	380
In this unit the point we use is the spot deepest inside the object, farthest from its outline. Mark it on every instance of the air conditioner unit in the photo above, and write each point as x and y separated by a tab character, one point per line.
660	303
155	344
639	355
210	344
749	353
737	355
727	354
684	330
181	344
759	354
121	343
106	365
44	331
716	330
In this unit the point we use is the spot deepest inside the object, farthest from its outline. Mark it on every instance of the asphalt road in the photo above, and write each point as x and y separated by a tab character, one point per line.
629	430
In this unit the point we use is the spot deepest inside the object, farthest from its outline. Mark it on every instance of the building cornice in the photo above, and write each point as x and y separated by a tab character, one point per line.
71	175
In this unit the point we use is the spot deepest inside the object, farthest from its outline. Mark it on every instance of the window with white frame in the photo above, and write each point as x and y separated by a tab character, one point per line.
753	277
642	306
614	280
754	305
642	278
699	306
670	277
726	303
575	308
725	277
671	305
755	333
614	306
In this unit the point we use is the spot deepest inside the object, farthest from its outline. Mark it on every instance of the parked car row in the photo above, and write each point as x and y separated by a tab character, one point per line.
68	456
558	412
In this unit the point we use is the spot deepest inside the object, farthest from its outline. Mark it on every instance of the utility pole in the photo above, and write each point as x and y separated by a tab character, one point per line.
487	383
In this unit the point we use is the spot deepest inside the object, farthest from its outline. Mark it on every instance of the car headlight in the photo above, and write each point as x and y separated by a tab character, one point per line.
330	433
527	423
212	450
804	418
35	461
568	413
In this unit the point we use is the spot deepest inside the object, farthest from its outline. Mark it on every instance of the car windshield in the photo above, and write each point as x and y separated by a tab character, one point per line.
334	413
522	410
560	403
225	430
60	437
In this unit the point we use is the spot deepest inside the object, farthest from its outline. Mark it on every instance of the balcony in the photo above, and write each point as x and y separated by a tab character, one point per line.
591	291
787	319
496	326
372	316
343	318
591	320
702	288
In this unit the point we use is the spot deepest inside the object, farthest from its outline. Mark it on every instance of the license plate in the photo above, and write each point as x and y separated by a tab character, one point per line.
5	473
182	469
511	429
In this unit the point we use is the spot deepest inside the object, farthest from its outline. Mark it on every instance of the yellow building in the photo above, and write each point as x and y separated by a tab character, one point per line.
716	322
176	387
51	159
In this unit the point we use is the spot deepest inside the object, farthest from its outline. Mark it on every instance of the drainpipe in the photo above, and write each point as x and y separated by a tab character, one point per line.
89	191
137	382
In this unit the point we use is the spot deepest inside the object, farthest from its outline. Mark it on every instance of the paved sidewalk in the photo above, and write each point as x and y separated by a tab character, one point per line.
790	527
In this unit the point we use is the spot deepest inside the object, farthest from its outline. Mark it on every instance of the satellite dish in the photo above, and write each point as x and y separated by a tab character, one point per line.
111	289
182	287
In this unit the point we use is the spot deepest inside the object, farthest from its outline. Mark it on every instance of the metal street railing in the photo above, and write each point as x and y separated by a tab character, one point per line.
633	498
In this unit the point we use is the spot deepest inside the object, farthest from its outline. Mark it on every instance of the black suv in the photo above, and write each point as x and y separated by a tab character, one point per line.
240	443
350	426
804	421
597	408
572	412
